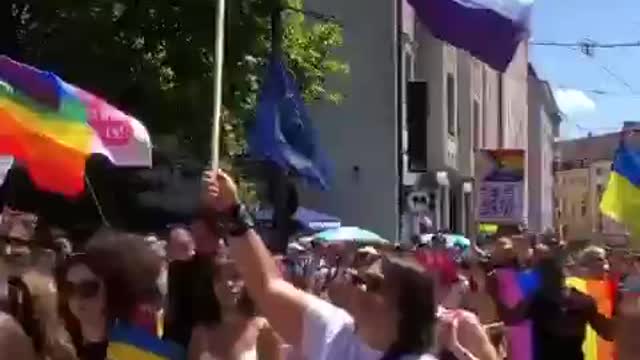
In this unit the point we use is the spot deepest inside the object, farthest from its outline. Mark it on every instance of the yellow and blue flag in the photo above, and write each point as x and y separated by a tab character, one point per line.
128	342
621	200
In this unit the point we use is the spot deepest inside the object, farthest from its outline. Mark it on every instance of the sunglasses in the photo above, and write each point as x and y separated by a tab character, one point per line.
86	289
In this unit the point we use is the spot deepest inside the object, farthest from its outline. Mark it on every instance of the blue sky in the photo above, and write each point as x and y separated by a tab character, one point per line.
575	76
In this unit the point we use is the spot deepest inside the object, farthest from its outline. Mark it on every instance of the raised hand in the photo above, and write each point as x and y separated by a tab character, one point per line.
220	192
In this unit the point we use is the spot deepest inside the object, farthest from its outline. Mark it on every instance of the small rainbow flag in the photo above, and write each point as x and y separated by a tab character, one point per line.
594	347
52	127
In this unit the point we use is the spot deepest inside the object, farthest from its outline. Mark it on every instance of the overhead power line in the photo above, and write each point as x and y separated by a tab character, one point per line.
588	43
609	72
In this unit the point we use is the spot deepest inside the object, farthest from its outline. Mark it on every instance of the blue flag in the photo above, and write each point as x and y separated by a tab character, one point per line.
282	132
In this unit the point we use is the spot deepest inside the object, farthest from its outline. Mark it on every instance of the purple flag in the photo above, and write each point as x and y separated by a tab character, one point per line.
489	29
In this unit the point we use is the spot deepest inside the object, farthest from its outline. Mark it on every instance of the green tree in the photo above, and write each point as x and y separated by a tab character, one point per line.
154	58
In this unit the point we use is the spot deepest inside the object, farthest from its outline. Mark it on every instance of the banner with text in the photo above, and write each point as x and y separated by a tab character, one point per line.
501	185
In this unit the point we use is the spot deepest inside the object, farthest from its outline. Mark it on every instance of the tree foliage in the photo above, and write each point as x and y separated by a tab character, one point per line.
154	58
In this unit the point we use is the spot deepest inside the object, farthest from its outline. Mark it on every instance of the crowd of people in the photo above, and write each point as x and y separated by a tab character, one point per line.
213	290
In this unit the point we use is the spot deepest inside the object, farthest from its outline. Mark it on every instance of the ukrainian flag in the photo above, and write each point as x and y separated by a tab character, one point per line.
127	342
621	200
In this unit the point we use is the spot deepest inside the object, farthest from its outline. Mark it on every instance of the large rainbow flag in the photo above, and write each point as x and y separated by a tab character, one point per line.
594	347
52	127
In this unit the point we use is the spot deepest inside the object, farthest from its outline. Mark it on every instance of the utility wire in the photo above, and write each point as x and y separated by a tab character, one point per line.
589	43
610	72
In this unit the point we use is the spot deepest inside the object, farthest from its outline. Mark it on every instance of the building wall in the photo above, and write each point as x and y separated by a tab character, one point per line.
360	133
574	220
515	110
470	110
491	109
435	61
591	156
514	105
541	156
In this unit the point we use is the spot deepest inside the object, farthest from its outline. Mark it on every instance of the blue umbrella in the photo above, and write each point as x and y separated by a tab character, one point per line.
350	233
308	218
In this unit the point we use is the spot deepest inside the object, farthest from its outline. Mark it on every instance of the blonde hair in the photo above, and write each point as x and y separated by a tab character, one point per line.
55	341
589	253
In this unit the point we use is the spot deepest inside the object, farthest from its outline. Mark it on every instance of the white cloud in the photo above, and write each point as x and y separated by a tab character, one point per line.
572	101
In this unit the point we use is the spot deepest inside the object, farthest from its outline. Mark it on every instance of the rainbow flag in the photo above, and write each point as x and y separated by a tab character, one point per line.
594	347
52	127
128	342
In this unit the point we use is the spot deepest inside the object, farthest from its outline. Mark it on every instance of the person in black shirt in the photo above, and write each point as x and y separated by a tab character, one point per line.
559	315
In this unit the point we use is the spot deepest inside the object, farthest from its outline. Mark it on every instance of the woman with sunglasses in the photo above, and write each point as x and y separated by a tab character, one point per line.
82	304
400	313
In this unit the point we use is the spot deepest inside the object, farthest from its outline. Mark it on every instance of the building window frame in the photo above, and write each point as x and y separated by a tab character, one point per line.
477	124
450	88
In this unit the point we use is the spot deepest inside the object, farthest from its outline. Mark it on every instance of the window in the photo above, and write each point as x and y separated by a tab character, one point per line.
583	207
477	123
451	104
598	171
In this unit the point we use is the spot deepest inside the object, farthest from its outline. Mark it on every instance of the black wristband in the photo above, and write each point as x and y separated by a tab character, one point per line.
237	222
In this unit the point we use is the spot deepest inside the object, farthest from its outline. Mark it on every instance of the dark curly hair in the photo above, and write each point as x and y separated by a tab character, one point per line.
129	269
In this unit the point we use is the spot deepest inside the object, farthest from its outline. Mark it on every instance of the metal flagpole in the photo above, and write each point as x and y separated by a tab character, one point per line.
94	196
217	84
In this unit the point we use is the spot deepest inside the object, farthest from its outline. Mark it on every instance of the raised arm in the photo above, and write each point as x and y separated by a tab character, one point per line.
604	326
279	301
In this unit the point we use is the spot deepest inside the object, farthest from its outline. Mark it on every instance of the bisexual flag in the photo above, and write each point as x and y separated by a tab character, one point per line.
490	30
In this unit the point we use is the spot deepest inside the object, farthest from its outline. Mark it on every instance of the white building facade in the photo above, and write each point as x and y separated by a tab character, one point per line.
544	123
415	109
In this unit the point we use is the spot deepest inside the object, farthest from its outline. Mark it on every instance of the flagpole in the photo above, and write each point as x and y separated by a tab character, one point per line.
94	196
217	84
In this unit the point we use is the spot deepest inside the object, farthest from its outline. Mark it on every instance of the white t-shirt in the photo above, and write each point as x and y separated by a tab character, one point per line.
329	334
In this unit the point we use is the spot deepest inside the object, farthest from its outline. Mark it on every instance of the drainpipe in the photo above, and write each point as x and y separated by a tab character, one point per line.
400	88
500	110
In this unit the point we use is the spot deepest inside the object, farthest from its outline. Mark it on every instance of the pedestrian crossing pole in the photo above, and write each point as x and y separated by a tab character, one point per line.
217	84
